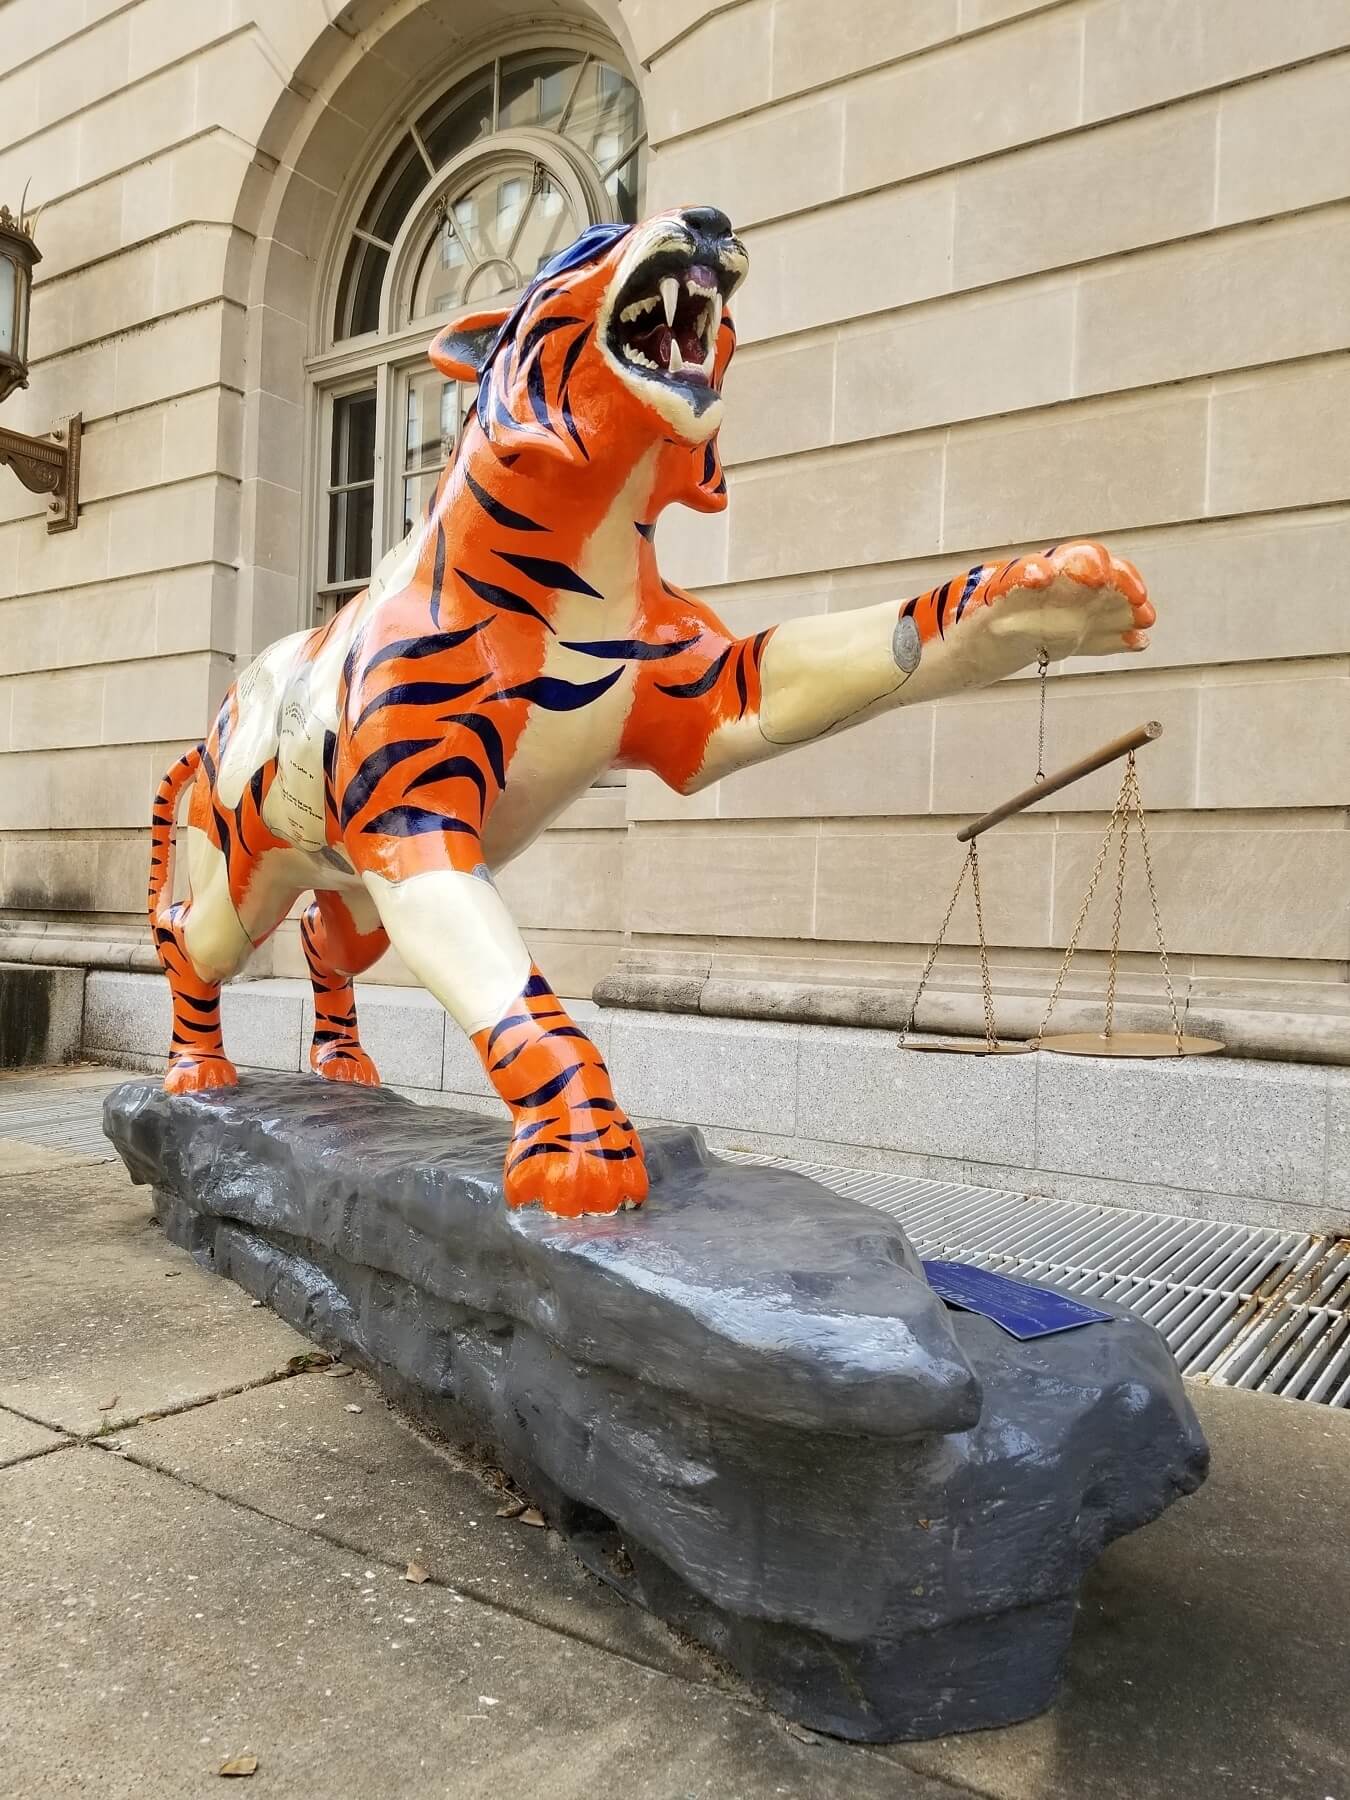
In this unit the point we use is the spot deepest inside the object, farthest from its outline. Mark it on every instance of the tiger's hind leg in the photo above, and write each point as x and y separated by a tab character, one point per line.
197	1056
335	950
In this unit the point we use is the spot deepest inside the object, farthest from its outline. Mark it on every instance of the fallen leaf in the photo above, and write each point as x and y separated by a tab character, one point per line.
532	1516
255	1302
351	1408
307	1360
802	1735
172	1274
341	1369
416	1574
239	1765
925	1524
512	1510
108	1405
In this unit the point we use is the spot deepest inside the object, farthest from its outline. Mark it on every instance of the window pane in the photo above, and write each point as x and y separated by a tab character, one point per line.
456	121
418	493
431	420
6	306
358	307
353	439
626	184
535	87
404	177
351	526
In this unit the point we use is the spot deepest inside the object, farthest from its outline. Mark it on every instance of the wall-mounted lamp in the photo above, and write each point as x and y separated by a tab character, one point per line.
45	465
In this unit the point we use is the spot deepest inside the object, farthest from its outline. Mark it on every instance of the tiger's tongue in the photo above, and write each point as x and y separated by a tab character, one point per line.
656	345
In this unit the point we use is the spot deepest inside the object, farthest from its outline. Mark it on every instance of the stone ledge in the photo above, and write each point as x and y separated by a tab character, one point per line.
1226	1137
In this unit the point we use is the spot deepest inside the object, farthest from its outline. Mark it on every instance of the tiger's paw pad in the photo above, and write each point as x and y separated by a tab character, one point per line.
1074	599
350	1063
577	1170
194	1074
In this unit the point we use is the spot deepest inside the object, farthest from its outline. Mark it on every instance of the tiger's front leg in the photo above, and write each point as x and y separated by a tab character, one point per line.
573	1150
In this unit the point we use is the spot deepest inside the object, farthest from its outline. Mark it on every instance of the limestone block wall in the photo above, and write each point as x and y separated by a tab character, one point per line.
1021	269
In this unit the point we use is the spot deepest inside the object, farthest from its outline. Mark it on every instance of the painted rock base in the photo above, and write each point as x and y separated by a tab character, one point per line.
743	1405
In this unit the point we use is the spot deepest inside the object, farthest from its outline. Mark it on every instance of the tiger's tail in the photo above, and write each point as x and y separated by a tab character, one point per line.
161	826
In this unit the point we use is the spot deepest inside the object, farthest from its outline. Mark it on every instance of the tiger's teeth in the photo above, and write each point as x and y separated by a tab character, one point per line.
638	307
637	357
670	296
676	360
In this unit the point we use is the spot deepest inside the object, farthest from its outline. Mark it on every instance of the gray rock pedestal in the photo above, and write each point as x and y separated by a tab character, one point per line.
743	1405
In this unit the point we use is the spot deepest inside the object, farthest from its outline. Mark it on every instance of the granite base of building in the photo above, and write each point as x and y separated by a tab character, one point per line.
1217	1137
742	1405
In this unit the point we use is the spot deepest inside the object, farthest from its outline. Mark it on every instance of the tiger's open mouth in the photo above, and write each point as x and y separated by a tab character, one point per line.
664	319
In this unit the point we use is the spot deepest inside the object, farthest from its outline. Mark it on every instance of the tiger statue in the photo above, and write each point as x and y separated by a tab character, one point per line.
518	642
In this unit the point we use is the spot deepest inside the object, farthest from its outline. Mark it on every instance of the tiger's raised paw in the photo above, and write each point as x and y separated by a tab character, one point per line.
1074	599
576	1168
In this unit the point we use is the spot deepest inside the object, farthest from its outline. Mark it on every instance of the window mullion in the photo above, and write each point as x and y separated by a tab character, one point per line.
385	422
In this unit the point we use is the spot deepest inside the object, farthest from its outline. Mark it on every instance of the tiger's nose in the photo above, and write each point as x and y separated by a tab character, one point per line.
707	221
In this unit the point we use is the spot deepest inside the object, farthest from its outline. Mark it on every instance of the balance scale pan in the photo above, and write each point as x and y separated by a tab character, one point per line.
1128	1043
969	1047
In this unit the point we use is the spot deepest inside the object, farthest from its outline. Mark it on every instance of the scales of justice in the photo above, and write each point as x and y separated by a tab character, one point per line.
870	1484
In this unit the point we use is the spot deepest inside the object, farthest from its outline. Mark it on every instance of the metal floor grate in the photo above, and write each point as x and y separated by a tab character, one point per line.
1243	1306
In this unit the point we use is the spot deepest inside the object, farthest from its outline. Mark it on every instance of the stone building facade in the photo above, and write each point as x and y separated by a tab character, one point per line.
1020	269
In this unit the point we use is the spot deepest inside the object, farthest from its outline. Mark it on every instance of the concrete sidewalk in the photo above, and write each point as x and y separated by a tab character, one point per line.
202	1553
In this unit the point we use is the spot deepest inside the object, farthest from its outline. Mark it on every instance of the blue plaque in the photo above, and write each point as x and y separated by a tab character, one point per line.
1022	1309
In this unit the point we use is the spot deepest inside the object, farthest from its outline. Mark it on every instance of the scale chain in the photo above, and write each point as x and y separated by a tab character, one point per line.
1157	914
908	1025
1081	920
990	1030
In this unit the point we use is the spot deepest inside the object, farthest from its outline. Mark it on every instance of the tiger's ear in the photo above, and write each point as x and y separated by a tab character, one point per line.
462	348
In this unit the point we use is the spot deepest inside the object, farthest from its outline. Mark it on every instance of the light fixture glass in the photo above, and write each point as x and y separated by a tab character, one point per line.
18	253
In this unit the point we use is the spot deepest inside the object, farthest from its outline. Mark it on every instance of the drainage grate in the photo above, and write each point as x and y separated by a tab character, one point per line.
58	1109
1239	1305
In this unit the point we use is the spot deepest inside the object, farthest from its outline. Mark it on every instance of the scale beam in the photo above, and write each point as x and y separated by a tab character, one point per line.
1062	778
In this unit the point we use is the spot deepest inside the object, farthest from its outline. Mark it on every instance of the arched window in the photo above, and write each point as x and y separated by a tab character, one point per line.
490	176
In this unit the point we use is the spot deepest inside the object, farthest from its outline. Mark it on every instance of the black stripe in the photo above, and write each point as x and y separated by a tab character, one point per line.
549	574
691	690
538	332
504	515
490	738
709	461
742	689
450	769
414	649
504	1025
550	1090
944	594
571	425
501	597
647	528
438	573
413	821
556	695
614	1155
418	693
537	1150
630	649
372	771
534	389
574	350
907	611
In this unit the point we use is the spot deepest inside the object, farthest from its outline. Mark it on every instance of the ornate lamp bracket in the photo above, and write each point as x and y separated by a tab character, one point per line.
49	465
